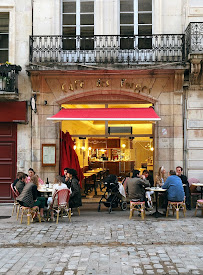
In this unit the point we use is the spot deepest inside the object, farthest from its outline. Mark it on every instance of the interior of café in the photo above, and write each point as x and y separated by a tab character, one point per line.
114	146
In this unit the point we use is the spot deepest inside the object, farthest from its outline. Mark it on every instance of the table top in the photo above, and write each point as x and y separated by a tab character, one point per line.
156	189
198	184
45	189
88	174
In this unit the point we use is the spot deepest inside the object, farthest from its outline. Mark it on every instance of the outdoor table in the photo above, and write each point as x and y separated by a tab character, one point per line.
156	191
88	176
199	185
45	191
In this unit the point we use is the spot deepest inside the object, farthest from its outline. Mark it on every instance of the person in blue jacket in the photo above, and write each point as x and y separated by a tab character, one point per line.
174	186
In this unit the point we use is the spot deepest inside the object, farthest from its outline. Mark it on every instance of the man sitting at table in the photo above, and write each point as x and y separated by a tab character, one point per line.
21	182
174	186
179	173
135	186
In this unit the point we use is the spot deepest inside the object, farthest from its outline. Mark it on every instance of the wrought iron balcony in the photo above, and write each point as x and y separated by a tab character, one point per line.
194	38
9	78
107	49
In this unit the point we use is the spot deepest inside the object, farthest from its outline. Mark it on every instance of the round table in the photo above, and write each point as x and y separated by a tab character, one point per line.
156	190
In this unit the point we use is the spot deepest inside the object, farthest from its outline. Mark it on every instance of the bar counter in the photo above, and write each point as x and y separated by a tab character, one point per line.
116	167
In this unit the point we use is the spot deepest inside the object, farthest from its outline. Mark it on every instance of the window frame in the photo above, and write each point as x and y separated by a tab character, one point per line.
78	25
6	49
136	23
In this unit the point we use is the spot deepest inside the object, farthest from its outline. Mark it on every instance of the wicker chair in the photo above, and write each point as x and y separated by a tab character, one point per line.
62	197
176	206
16	205
199	205
30	213
137	206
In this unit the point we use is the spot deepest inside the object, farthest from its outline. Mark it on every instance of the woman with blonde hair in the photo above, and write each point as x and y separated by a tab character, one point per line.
161	177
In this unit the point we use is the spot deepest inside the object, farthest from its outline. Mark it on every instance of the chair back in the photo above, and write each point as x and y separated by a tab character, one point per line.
14	192
63	197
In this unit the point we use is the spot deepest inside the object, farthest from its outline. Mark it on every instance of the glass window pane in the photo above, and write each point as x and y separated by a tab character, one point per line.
87	44
3	56
69	7
144	43
4	22
3	41
145	18
87	6
87	31
144	5
127	43
69	19
69	44
127	18
126	5
145	30
69	31
87	19
127	30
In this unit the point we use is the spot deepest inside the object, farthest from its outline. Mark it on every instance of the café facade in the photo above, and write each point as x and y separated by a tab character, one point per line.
118	119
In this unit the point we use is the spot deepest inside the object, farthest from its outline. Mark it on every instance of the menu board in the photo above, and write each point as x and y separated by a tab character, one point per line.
48	154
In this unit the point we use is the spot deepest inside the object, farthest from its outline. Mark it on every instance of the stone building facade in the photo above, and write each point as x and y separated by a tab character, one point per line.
147	53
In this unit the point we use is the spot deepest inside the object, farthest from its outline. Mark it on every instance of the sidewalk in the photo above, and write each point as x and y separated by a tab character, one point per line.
102	243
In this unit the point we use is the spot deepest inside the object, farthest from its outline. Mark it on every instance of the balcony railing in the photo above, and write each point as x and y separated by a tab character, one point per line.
9	78
194	38
107	49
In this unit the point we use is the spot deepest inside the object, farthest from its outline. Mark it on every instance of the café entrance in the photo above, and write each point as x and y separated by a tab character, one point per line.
111	137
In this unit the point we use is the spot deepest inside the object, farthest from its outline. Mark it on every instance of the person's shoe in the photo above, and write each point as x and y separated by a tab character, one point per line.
188	207
35	219
164	212
43	219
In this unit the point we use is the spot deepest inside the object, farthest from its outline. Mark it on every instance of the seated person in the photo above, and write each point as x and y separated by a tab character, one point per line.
65	177
73	184
135	186
31	173
21	182
174	186
148	194
58	185
17	179
161	177
29	196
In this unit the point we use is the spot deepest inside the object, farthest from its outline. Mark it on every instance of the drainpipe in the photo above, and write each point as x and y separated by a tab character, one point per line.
185	131
32	16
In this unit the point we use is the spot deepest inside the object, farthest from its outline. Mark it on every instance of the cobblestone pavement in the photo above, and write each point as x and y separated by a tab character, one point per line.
102	243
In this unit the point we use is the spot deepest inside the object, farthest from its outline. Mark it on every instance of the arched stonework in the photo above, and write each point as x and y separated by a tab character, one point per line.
106	96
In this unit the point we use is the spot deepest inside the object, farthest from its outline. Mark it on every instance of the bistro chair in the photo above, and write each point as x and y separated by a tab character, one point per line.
30	213
199	205
193	191
136	205
16	205
62	197
176	206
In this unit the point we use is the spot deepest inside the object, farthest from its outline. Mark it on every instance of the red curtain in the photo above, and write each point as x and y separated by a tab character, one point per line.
69	156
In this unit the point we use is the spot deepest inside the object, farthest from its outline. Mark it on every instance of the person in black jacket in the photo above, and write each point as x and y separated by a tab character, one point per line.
179	171
73	184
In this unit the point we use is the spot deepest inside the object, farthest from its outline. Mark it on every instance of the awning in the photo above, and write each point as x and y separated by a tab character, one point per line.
120	114
13	111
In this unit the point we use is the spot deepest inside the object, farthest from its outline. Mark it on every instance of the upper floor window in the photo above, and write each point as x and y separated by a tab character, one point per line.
78	20
136	19
145	24
4	36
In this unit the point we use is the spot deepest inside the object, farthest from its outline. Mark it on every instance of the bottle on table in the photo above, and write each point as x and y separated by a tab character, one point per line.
47	183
